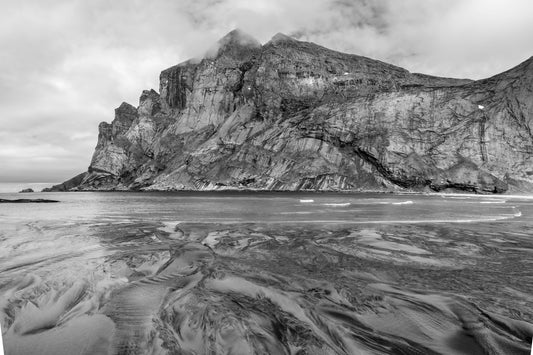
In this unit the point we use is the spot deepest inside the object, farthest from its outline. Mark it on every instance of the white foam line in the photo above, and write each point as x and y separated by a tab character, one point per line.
491	219
300	212
337	204
403	203
520	197
307	201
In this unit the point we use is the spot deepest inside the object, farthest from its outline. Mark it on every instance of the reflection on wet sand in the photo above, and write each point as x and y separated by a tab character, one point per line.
193	288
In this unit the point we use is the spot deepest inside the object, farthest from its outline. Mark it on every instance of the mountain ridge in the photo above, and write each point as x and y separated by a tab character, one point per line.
293	115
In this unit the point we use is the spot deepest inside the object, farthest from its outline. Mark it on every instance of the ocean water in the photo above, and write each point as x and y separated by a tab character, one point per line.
266	273
13	187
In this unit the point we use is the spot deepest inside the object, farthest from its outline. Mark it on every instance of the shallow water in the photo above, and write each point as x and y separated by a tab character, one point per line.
266	273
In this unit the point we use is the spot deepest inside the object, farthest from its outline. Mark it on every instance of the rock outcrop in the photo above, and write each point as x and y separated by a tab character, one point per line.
70	184
292	115
27	200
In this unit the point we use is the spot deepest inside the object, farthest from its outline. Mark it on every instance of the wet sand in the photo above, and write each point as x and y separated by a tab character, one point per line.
195	288
113	285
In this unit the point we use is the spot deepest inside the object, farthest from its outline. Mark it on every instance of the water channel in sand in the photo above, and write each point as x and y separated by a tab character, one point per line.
266	273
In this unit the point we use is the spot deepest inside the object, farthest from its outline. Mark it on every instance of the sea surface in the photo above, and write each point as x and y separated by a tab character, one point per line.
12	187
266	273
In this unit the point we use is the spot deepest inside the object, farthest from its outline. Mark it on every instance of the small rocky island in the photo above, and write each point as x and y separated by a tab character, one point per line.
292	115
27	200
26	190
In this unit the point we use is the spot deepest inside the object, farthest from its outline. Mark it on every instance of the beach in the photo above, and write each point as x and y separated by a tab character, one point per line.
267	273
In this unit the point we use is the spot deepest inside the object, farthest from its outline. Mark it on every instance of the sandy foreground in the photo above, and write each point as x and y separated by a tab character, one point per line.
193	288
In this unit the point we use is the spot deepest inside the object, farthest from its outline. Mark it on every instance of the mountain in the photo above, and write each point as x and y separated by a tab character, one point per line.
292	115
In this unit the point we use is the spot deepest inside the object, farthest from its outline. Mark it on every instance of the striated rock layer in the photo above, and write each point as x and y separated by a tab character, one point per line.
292	115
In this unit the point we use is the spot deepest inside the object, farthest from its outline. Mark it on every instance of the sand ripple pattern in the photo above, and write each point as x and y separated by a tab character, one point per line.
266	289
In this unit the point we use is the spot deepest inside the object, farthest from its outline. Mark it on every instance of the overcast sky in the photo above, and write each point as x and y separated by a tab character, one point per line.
67	64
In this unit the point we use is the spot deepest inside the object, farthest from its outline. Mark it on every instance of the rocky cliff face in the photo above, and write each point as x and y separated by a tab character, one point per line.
291	115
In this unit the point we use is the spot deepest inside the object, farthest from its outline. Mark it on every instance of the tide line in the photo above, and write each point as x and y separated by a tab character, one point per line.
345	221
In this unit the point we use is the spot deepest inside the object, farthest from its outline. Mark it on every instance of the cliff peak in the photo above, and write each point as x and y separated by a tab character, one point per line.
125	107
125	114
281	37
235	41
526	65
521	72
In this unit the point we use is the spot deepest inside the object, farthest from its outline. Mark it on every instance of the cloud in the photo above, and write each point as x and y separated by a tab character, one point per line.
68	64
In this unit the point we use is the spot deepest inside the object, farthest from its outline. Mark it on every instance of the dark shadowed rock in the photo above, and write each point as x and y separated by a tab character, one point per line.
27	200
67	185
292	115
26	190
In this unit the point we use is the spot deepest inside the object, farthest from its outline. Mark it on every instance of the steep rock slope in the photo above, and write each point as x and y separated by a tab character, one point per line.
291	115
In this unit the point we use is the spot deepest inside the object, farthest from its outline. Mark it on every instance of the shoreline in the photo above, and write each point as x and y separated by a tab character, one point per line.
340	192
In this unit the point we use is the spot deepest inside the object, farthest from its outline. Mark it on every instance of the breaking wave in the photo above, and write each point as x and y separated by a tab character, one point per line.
403	203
